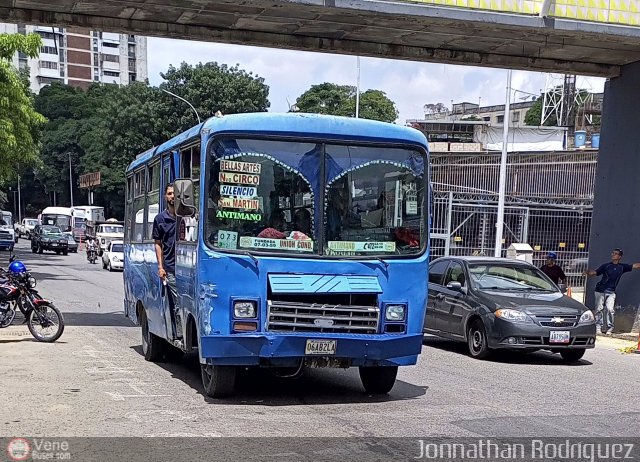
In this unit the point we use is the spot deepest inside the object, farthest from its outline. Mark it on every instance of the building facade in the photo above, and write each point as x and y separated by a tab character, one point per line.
490	114
80	57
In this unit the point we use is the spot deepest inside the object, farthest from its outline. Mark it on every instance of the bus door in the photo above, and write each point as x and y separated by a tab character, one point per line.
187	235
168	176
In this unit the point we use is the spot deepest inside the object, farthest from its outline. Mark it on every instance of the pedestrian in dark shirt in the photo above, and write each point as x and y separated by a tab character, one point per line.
164	236
605	292
551	269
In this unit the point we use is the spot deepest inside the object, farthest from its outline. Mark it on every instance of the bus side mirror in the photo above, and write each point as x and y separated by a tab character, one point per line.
183	194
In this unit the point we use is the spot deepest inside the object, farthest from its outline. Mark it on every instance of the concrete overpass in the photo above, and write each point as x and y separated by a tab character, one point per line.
532	35
588	37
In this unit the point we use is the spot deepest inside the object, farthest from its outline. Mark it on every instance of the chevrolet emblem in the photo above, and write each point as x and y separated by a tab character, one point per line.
557	320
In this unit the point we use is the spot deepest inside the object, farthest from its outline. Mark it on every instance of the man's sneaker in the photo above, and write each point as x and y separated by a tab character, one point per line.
610	331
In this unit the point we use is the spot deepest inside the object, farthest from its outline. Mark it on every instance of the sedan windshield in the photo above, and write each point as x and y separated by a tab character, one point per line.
51	231
118	248
503	276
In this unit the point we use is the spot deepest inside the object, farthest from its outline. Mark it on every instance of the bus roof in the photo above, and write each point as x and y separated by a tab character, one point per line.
292	124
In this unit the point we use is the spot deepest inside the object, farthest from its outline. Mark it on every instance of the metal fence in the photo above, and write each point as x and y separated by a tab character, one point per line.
549	204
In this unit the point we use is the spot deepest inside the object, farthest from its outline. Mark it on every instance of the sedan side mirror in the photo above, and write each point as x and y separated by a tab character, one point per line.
563	288
455	285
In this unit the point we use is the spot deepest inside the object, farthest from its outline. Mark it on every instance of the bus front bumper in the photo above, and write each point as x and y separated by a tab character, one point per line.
287	350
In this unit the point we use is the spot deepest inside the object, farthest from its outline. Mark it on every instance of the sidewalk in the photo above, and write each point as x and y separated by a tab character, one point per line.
632	336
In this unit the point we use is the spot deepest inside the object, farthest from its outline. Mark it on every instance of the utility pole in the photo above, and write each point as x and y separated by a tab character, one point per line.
503	171
19	203
70	180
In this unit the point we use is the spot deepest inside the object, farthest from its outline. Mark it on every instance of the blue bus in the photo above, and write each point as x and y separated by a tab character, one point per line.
301	241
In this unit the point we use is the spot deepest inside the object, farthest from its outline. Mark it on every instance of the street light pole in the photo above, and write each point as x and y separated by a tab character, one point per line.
70	180
182	99
358	89
503	171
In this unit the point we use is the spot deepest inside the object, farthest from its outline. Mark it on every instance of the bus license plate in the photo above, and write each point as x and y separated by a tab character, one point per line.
320	347
559	336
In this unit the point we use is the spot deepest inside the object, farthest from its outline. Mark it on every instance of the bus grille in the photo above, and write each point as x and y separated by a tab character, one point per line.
289	316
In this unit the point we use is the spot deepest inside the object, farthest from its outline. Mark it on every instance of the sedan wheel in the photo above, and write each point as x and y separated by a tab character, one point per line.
572	356
477	340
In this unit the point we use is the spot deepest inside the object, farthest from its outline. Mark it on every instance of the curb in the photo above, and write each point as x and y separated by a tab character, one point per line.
621	335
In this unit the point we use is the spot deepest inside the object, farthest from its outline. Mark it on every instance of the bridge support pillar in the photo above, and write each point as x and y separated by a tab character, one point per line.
616	214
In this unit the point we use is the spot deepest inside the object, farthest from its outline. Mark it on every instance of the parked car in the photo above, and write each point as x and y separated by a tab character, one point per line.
493	303
47	237
113	256
71	243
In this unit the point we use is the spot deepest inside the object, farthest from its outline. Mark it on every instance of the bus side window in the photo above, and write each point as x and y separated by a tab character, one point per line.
195	174
153	196
128	226
166	175
190	169
138	205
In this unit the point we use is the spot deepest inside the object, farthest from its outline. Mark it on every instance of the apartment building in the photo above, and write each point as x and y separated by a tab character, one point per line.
79	57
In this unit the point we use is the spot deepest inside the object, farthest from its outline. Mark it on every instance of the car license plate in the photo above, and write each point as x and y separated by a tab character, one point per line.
559	336
320	347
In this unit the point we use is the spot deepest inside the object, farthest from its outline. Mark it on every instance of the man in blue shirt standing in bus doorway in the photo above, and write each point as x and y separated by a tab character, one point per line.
606	288
164	236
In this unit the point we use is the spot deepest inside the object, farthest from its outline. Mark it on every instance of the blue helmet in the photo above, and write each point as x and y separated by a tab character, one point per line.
17	267
552	255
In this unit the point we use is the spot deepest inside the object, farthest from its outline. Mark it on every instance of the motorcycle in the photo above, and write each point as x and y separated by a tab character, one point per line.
92	253
17	291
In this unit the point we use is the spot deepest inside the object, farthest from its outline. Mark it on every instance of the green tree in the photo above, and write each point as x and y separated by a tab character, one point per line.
340	100
534	115
128	120
67	110
209	87
19	122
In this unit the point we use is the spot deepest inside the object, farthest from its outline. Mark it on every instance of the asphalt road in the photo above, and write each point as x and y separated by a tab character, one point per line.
95	382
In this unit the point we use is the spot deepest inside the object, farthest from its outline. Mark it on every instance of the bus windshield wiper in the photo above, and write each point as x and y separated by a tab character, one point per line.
386	265
248	254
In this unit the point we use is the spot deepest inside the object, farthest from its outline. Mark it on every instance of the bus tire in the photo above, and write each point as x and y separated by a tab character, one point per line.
218	381
378	380
153	347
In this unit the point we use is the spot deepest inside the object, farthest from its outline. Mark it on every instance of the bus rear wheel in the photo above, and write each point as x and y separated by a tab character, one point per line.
378	380
218	381
153	347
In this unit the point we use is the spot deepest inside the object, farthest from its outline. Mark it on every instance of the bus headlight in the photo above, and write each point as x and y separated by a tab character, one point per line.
244	309
395	312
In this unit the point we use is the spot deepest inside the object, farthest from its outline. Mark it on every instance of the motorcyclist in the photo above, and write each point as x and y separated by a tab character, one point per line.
91	248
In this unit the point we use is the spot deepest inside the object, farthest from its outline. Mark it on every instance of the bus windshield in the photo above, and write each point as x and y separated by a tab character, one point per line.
61	221
287	196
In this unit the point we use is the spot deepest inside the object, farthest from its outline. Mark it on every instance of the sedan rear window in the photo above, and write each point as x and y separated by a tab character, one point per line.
509	277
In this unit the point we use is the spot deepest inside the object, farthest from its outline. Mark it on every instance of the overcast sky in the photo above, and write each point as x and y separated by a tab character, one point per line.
409	84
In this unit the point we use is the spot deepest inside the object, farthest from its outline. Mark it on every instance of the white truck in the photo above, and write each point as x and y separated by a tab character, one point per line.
25	228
